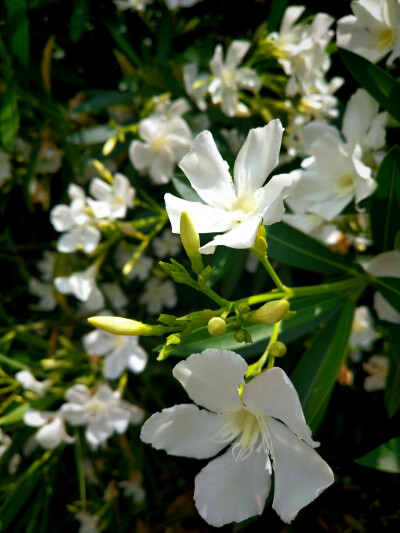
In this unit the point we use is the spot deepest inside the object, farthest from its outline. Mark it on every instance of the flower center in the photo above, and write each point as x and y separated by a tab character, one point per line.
243	207
345	184
158	143
385	37
228	77
97	407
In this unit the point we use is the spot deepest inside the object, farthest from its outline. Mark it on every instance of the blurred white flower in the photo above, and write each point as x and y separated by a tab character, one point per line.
80	231
164	143
167	244
103	413
168	109
236	207
141	268
133	490
46	265
29	382
373	31
196	84
264	426
88	522
385	265
158	294
377	367
45	293
228	78
135	5
83	286
363	333
115	294
111	201
120	352
173	4
52	430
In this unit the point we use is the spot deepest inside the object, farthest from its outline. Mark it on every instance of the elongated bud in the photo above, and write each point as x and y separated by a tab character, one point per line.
270	313
277	349
125	326
216	326
260	244
191	242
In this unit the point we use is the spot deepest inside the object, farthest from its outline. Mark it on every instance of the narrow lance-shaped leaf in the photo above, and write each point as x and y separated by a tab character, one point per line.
315	375
9	117
385	203
392	387
385	457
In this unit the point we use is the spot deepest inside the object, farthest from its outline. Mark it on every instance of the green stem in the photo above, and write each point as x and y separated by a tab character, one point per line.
274	276
214	296
257	367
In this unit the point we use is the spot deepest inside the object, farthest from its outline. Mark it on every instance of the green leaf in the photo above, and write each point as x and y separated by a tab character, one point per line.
385	203
390	289
9	118
275	14
315	375
184	189
392	387
309	313
14	416
18	29
385	457
103	100
292	247
79	18
380	85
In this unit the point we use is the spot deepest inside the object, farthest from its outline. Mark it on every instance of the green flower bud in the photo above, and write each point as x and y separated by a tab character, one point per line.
277	349
270	313
191	242
216	326
125	326
240	335
243	308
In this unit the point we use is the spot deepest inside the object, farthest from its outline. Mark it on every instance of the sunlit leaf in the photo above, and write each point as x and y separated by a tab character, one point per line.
385	457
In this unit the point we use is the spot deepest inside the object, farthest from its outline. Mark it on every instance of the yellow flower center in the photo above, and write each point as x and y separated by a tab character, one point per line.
385	37
345	184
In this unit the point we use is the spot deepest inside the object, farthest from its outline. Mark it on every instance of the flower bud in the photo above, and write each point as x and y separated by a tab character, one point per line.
125	326
243	308
216	326
277	349
191	242
270	313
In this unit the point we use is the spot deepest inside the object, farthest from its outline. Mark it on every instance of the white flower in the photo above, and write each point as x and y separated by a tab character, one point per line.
135	5
88	522
311	224
239	207
133	490
29	382
228	78
120	352
103	413
173	4
5	167
80	231
373	31
167	244
158	294
385	265
52	430
44	291
377	367
83	286
196	85
112	201
46	265
165	143
115	294
363	334
167	109
265	427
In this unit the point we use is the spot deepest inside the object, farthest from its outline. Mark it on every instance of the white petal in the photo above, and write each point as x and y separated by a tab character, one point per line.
270	198
240	237
35	418
98	342
98	431
120	419
100	190
300	473
236	52
208	172
137	359
90	239
385	265
61	218
78	394
211	378
140	155
52	434
184	430
114	365
257	158
273	394
206	219
68	242
384	310
228	491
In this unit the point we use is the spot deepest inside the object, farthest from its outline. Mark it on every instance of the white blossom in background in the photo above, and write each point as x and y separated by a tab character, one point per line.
173	4
373	31
377	367
264	428
134	5
5	442
103	413
310	224
46	265
168	109
385	265
49	158
79	231
88	522
52	430
83	286
30	383
141	268
158	294
111	201
363	333
5	167
229	78
120	352
45	293
133	490
167	244
115	295
196	84
164	143
236	208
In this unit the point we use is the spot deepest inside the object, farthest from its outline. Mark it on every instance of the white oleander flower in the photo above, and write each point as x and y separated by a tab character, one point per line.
111	201
373	31
385	265
196	85
29	382
5	167
133	490
167	244
134	5
239	207
164	143
46	265
264	427
83	286
377	367
52	430
78	227
45	293
158	294
141	268
88	522
363	333
103	413
115	294
168	109
120	352
228	78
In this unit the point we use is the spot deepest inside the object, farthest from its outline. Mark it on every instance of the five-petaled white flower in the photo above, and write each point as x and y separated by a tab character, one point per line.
265	426
112	201
239	207
228	78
